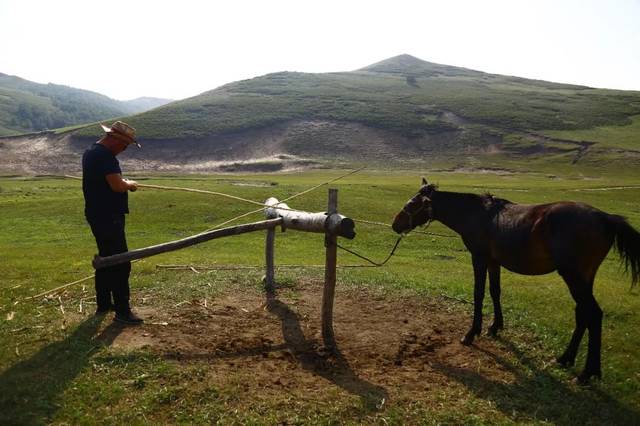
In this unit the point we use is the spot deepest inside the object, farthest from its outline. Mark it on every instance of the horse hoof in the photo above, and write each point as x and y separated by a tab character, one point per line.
493	331
467	339
582	380
565	361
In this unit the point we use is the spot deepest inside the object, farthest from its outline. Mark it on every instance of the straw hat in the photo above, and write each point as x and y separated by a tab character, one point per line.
122	131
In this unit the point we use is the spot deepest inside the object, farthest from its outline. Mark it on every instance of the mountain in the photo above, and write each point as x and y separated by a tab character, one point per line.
26	106
391	112
407	65
402	94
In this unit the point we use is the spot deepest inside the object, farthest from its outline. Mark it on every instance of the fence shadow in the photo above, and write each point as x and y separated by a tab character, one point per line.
536	394
30	389
331	366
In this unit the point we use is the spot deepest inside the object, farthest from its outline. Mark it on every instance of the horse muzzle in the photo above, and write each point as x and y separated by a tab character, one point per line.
400	224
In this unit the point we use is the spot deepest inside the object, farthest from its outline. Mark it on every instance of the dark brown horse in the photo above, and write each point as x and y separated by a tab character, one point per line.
572	238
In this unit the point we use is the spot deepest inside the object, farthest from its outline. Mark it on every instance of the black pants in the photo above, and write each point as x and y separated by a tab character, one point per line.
112	281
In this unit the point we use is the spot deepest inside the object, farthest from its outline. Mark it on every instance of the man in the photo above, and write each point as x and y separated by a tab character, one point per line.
106	203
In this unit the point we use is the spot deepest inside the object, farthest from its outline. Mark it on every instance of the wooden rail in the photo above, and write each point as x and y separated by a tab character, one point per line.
101	262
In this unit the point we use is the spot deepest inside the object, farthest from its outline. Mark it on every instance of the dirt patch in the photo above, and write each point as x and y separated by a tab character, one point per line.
479	170
288	146
581	147
388	347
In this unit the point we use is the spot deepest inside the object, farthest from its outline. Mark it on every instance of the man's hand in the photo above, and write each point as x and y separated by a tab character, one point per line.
118	184
133	185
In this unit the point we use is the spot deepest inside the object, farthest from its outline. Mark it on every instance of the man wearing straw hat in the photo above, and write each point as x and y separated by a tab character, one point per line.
106	203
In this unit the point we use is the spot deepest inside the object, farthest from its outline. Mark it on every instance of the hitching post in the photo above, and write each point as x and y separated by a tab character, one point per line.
269	261
330	242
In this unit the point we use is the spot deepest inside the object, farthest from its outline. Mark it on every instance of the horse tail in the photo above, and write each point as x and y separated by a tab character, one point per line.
627	242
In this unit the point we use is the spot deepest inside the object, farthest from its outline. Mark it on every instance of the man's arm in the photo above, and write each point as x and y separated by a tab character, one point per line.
118	184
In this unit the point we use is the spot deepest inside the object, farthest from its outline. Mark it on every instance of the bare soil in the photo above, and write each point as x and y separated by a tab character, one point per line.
388	347
287	146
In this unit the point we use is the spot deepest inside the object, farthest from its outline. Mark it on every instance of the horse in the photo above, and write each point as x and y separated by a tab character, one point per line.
569	237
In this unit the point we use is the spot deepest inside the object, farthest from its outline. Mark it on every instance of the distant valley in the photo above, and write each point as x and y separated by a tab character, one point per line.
26	106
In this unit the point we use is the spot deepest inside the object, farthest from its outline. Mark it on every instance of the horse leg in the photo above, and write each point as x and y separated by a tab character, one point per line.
568	358
480	279
594	324
494	290
588	316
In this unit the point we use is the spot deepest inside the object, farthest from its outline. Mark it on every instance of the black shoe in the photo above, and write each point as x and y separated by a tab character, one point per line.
128	318
105	310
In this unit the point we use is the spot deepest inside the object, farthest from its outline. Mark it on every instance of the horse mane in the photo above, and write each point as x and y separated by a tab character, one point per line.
492	203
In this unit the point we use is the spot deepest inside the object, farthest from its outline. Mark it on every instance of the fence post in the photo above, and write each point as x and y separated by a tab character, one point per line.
329	276
269	261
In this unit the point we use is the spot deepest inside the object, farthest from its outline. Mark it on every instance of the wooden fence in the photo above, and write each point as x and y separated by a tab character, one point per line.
330	223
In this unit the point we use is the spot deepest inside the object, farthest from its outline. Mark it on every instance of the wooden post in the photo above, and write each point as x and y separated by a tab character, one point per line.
269	261
329	276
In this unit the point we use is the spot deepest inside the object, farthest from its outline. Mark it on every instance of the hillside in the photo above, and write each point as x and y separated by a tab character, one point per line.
26	106
397	110
402	94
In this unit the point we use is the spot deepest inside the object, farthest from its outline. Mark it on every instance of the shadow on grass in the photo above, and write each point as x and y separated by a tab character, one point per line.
537	395
331	366
30	390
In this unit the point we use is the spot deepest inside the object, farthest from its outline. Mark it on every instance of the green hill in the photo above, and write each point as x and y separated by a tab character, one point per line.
26	106
402	94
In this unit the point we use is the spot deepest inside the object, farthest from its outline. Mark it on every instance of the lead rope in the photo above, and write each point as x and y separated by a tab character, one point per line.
393	250
369	260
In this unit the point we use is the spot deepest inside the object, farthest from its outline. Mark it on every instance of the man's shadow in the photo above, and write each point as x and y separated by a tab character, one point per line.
30	390
330	364
537	394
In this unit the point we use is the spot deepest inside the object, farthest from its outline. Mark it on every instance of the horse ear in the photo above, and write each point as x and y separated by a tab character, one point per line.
424	181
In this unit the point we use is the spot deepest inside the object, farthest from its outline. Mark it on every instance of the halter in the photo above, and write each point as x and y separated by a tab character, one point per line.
411	215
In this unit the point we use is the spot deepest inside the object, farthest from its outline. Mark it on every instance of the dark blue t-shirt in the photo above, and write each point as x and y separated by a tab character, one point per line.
100	200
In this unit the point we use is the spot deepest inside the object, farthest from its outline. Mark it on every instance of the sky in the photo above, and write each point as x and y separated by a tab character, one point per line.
178	49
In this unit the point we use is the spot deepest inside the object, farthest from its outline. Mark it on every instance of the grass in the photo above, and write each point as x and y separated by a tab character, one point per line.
51	371
623	137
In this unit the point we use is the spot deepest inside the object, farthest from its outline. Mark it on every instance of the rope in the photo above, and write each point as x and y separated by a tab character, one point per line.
199	191
392	250
55	290
234	219
324	183
44	293
369	260
414	231
233	197
286	199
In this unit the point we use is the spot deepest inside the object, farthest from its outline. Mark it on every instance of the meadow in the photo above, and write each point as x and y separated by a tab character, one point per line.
59	364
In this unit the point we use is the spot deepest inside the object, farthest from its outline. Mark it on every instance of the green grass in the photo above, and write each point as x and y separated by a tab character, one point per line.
623	137
51	371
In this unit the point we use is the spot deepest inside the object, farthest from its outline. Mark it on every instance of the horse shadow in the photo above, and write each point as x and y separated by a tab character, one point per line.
537	394
30	390
329	364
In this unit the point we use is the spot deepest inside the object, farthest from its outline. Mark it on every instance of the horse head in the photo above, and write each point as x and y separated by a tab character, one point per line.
417	211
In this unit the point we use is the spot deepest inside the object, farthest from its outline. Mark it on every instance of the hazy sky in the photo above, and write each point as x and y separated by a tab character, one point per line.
176	49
